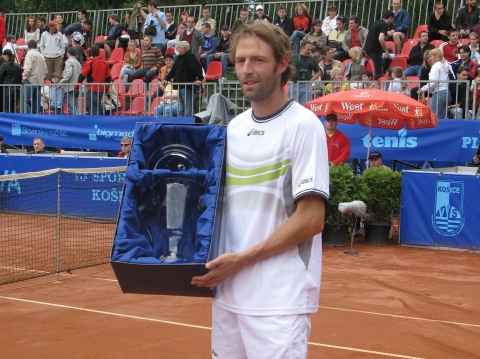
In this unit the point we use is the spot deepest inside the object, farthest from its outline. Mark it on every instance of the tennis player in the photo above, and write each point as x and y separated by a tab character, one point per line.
268	274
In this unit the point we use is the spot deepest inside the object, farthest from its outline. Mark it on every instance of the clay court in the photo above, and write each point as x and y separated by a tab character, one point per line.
389	301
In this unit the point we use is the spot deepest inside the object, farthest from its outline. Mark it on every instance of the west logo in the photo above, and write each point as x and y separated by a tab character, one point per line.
352	106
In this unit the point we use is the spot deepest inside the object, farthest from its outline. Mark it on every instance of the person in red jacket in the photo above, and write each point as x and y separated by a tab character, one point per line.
3	31
337	143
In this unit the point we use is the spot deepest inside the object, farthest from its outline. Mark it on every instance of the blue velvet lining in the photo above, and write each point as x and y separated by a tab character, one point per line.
139	239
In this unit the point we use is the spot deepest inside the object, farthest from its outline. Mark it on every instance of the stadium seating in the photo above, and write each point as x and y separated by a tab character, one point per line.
407	48
115	71
103	54
99	38
418	29
115	57
171	51
119	86
20	55
464	41
214	71
390	45
136	89
413	84
156	101
399	62
137	108
437	43
20	41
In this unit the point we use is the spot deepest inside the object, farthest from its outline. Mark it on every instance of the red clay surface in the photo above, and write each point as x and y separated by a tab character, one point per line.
389	301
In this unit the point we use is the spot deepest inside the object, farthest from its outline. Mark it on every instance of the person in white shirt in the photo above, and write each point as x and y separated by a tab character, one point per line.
397	85
330	22
52	48
34	73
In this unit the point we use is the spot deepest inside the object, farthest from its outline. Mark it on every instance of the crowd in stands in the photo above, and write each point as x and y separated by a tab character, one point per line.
338	53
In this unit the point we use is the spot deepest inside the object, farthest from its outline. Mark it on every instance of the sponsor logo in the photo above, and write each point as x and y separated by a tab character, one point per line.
18	130
418	111
10	186
100	132
469	142
254	132
306	180
402	141
403	109
373	106
423	122
363	94
214	353
345	116
448	218
315	108
388	122
352	106
368	120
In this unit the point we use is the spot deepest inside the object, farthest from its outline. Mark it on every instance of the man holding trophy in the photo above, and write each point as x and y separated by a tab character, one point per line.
267	276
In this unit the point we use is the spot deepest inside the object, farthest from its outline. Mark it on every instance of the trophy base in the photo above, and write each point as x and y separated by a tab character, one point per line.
171	258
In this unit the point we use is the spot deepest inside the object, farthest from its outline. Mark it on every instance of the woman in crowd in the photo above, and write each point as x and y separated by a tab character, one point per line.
32	32
355	68
474	46
317	38
368	82
336	74
330	22
169	106
302	23
132	61
424	72
397	85
438	85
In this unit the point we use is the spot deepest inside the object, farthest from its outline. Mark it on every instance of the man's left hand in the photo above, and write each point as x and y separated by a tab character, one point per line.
223	266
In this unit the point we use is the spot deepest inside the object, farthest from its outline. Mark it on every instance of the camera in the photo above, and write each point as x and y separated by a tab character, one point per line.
303	73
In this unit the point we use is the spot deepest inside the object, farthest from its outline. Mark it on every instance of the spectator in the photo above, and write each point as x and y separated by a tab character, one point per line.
467	18
3	31
2	147
34	73
368	82
260	16
10	45
82	28
152	62
171	29
132	61
438	86
375	45
96	71
186	69
327	64
206	19
32	32
39	147
209	44
459	97
336	75
155	24
169	105
397	85
241	21
375	160
354	69
330	22
466	61
476	158
317	38
415	58
56	95
388	78
439	23
302	24
10	74
126	147
335	39
80	52
282	20
221	50
60	24
306	69
450	48
399	25
183	18
114	31
424	73
337	143
72	71
82	15
193	37
42	25
474	47
182	26
53	49
163	72
354	36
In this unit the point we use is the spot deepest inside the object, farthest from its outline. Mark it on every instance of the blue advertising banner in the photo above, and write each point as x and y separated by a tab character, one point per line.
440	209
93	132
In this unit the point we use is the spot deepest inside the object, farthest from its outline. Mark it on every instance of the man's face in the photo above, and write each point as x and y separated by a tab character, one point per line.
340	26
282	13
439	9
55	79
243	15
388	75
151	8
306	50
169	16
329	55
147	41
331	125
38	145
396	5
13	40
40	23
453	37
257	71
352	25
471	3
424	38
80	16
205	30
87	28
260	13
375	161
168	62
464	55
225	33
59	19
111	21
206	13
126	147
190	22
462	75
181	27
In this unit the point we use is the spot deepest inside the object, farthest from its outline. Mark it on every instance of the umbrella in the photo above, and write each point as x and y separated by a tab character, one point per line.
375	108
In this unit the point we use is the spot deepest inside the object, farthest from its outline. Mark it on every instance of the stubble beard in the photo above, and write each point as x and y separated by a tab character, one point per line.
265	89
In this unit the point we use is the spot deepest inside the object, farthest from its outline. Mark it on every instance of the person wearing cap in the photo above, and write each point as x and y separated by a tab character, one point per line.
82	28
221	50
337	143
34	73
56	95
52	47
284	21
10	74
80	52
260	15
206	19
10	45
70	75
241	21
375	160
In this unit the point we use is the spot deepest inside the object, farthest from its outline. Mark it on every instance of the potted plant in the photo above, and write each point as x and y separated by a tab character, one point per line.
344	187
382	188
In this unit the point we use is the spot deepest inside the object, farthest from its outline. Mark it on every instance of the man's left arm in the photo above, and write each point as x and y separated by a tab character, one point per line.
317	70
404	22
306	222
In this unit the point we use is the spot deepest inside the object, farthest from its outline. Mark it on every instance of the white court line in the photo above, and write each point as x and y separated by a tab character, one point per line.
403	316
26	270
193	326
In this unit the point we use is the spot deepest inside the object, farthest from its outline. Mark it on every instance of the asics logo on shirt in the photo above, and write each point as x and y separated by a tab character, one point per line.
254	132
306	180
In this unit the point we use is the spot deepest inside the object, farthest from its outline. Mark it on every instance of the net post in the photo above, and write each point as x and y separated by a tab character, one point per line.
57	280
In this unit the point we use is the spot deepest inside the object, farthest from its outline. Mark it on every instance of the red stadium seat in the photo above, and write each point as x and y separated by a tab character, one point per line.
20	55
418	29
437	43
137	88
115	71
214	71
391	45
413	84
399	62
116	56
344	64
99	38
103	54
156	101
171	51
137	107
20	41
119	86
407	48
464	41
